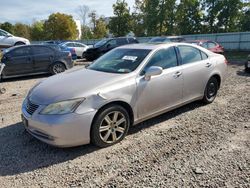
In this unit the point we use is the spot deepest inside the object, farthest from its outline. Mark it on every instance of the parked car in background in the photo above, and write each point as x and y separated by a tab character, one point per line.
208	44
247	64
34	59
64	48
164	39
79	47
106	45
7	40
126	86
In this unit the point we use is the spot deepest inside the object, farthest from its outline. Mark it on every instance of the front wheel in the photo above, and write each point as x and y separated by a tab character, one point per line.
57	68
211	90
110	126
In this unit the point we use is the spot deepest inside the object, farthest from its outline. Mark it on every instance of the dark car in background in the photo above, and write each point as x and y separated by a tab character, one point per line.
106	45
164	39
34	59
208	44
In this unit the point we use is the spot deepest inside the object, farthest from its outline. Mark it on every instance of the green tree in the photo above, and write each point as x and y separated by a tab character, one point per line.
189	17
86	32
212	8
150	9
229	15
100	30
22	30
120	24
137	20
37	31
60	27
245	18
7	27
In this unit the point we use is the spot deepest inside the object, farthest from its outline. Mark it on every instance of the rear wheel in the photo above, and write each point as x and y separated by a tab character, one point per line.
110	126
211	90
57	68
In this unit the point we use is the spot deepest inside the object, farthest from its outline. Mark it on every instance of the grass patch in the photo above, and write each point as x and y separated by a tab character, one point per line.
236	55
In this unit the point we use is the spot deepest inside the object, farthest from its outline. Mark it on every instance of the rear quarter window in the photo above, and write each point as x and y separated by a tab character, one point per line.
189	54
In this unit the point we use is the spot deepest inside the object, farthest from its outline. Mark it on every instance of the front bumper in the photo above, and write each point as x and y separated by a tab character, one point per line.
59	130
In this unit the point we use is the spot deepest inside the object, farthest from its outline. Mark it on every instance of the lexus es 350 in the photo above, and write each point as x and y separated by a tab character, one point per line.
126	86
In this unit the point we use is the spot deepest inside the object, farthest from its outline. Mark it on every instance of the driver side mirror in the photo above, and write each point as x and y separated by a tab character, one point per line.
152	71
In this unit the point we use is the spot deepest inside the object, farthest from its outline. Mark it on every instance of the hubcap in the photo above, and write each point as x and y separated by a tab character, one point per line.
211	91
58	68
112	127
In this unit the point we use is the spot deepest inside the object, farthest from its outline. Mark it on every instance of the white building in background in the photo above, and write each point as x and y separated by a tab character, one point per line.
79	29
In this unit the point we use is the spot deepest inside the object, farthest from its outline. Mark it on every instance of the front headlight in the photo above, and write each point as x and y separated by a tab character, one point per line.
63	107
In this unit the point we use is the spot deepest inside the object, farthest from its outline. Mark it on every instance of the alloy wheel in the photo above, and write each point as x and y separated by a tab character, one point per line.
112	127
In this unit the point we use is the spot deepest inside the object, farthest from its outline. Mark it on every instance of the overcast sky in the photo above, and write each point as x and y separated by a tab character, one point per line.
26	11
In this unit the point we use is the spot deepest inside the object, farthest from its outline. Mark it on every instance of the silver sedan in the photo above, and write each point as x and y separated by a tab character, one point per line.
126	86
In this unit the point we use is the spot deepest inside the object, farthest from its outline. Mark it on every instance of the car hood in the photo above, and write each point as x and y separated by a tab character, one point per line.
72	85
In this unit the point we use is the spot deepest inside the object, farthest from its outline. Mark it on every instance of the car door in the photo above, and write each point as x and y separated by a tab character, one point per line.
163	91
80	48
43	57
19	62
196	68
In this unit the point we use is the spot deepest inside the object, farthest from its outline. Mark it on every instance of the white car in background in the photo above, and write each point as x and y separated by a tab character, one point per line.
7	40
79	47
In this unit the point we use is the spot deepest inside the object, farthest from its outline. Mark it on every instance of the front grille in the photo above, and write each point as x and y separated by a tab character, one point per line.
30	107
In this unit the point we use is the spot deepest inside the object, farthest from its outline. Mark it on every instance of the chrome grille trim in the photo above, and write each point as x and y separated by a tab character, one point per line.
31	107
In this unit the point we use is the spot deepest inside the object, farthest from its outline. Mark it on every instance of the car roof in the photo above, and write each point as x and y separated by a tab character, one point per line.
32	45
155	46
197	40
151	46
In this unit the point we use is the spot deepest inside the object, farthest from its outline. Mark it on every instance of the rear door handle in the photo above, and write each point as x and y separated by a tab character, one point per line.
208	64
177	74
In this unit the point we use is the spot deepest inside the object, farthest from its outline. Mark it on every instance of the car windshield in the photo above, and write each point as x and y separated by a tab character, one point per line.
120	60
101	43
159	39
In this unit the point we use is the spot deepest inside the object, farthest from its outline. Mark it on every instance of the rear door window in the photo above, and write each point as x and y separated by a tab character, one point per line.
189	54
122	41
23	51
211	45
70	44
112	43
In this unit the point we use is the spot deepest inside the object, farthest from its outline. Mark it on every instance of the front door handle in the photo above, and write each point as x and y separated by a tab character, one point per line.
208	64
177	74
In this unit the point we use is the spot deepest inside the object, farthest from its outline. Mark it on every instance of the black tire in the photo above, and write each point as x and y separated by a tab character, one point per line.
247	70
19	43
57	68
117	129
211	90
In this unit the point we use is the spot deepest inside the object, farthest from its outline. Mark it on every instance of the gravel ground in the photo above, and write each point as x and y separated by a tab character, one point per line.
193	146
